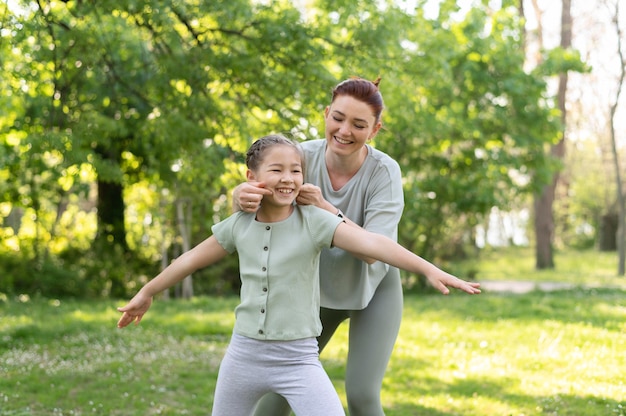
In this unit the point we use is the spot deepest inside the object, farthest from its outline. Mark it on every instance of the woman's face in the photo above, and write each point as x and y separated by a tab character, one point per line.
349	125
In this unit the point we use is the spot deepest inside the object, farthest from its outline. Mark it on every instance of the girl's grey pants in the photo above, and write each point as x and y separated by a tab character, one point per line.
251	368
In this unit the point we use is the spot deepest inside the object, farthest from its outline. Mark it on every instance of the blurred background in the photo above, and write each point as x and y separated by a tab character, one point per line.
123	126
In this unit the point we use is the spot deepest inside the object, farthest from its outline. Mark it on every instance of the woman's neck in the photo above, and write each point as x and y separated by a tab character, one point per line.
342	168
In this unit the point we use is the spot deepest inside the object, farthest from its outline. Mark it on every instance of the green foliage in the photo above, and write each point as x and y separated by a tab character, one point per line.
71	274
161	100
590	195
558	60
473	140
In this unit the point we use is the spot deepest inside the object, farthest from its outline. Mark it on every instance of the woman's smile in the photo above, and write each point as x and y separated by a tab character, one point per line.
342	141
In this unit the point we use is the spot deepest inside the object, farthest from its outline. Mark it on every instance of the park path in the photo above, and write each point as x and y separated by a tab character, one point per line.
526	286
522	286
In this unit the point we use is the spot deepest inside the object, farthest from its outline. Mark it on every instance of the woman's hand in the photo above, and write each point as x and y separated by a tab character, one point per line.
312	195
248	195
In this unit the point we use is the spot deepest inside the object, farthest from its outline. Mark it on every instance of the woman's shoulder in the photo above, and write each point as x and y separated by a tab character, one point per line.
383	160
313	145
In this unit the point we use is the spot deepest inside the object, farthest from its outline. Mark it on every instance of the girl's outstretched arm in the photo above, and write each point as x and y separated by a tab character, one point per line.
202	255
364	243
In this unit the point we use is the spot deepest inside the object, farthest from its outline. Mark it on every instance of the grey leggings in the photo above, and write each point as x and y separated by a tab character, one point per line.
373	333
252	368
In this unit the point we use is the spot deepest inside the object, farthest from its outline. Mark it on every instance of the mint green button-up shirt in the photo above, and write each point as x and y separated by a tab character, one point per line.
279	271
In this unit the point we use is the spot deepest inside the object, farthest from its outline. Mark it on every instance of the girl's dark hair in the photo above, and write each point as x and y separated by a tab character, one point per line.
256	152
362	90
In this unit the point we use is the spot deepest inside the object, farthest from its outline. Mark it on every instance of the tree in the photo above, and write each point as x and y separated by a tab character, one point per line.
621	198
106	87
544	201
477	124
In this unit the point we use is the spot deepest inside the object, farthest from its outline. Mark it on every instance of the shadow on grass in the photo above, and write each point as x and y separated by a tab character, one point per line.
43	320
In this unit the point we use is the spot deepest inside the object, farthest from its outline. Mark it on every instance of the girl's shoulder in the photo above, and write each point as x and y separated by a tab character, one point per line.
309	210
314	214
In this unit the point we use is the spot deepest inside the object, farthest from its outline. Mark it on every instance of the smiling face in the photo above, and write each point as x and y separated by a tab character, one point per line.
350	123
280	168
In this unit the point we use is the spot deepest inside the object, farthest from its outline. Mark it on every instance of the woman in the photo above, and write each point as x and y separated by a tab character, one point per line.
349	178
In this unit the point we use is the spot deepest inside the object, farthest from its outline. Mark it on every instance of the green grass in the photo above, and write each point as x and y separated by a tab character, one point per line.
553	353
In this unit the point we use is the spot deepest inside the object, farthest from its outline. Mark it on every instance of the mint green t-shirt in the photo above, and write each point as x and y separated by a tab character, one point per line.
279	271
374	199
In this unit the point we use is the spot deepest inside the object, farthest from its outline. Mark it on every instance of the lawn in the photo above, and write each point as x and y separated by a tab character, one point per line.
538	353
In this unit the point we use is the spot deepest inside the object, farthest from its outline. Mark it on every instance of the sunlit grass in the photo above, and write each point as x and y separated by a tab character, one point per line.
534	354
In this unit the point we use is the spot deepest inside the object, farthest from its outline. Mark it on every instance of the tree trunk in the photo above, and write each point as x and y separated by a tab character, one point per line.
607	235
544	228
621	198
544	215
111	207
111	233
184	220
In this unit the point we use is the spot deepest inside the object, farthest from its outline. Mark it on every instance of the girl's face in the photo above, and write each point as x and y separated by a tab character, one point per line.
281	171
349	125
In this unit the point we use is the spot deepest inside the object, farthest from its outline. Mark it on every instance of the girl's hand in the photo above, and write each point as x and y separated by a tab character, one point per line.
134	310
442	280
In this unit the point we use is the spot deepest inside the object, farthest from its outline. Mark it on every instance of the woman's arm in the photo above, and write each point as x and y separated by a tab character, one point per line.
361	242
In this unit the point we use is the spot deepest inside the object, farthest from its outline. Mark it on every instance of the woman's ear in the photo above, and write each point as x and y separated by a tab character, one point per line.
250	175
375	130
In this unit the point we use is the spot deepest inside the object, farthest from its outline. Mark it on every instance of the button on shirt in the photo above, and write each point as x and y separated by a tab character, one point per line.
279	271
